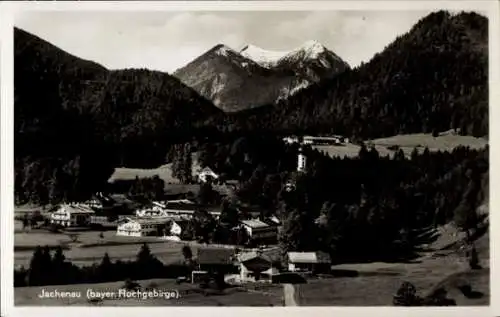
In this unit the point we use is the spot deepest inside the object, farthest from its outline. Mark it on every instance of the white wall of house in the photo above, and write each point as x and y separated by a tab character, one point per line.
66	218
131	229
175	230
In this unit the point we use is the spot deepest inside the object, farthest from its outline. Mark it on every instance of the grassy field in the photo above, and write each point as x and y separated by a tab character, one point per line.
164	172
374	284
407	143
189	295
90	248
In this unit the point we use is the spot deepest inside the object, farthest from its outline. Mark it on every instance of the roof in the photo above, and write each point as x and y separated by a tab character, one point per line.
251	255
78	209
308	257
271	254
219	256
180	201
207	170
151	221
272	271
254	223
275	220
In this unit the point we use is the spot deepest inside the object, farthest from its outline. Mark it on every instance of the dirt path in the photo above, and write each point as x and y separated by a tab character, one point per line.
289	294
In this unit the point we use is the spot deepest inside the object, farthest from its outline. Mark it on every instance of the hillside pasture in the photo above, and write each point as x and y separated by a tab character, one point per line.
164	172
387	146
374	284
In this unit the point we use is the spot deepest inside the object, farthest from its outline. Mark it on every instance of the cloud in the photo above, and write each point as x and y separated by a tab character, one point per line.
168	40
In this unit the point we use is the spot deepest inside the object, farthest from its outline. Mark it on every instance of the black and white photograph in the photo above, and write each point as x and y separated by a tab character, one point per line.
271	158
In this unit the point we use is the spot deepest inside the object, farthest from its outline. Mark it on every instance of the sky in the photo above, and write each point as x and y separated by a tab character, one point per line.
166	41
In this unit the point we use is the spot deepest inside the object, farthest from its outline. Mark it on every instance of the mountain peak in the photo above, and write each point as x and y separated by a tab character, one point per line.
313	47
308	50
221	49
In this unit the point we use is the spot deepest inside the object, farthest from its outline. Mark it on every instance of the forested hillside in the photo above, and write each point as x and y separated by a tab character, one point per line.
75	120
433	78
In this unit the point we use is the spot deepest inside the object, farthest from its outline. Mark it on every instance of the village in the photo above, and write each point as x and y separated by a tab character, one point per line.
249	252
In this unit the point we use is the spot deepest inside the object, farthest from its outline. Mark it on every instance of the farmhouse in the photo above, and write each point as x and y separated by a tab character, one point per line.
308	261
259	230
71	215
212	261
215	259
141	227
206	174
254	265
330	140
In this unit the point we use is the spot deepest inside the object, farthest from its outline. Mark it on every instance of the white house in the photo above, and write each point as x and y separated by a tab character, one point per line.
72	215
141	227
205	174
308	261
258	229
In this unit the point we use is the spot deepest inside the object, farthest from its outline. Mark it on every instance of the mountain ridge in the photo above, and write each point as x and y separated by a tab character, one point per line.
235	82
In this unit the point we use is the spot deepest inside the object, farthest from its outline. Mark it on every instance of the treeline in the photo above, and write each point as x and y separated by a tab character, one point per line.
54	269
75	121
431	79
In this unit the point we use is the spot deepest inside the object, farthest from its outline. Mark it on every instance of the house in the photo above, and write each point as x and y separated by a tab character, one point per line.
215	259
213	262
308	261
69	215
140	227
259	230
253	265
206	174
177	227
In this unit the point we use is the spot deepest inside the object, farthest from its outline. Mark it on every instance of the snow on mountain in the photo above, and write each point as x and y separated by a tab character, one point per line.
267	58
237	80
261	56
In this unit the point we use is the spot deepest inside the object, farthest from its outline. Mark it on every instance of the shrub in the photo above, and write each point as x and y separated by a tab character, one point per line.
406	295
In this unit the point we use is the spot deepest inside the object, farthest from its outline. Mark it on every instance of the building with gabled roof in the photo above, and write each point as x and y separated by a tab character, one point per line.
308	261
140	227
72	215
259	230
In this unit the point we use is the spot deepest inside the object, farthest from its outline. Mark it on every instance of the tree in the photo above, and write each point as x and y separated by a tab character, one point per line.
105	269
144	255
206	195
59	272
36	269
229	214
25	221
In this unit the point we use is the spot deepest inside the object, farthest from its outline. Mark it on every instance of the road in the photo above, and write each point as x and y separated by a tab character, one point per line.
289	294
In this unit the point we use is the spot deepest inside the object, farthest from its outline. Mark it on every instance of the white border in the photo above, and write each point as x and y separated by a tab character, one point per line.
8	10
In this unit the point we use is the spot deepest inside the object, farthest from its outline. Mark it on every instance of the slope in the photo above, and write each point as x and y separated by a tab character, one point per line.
75	120
234	82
